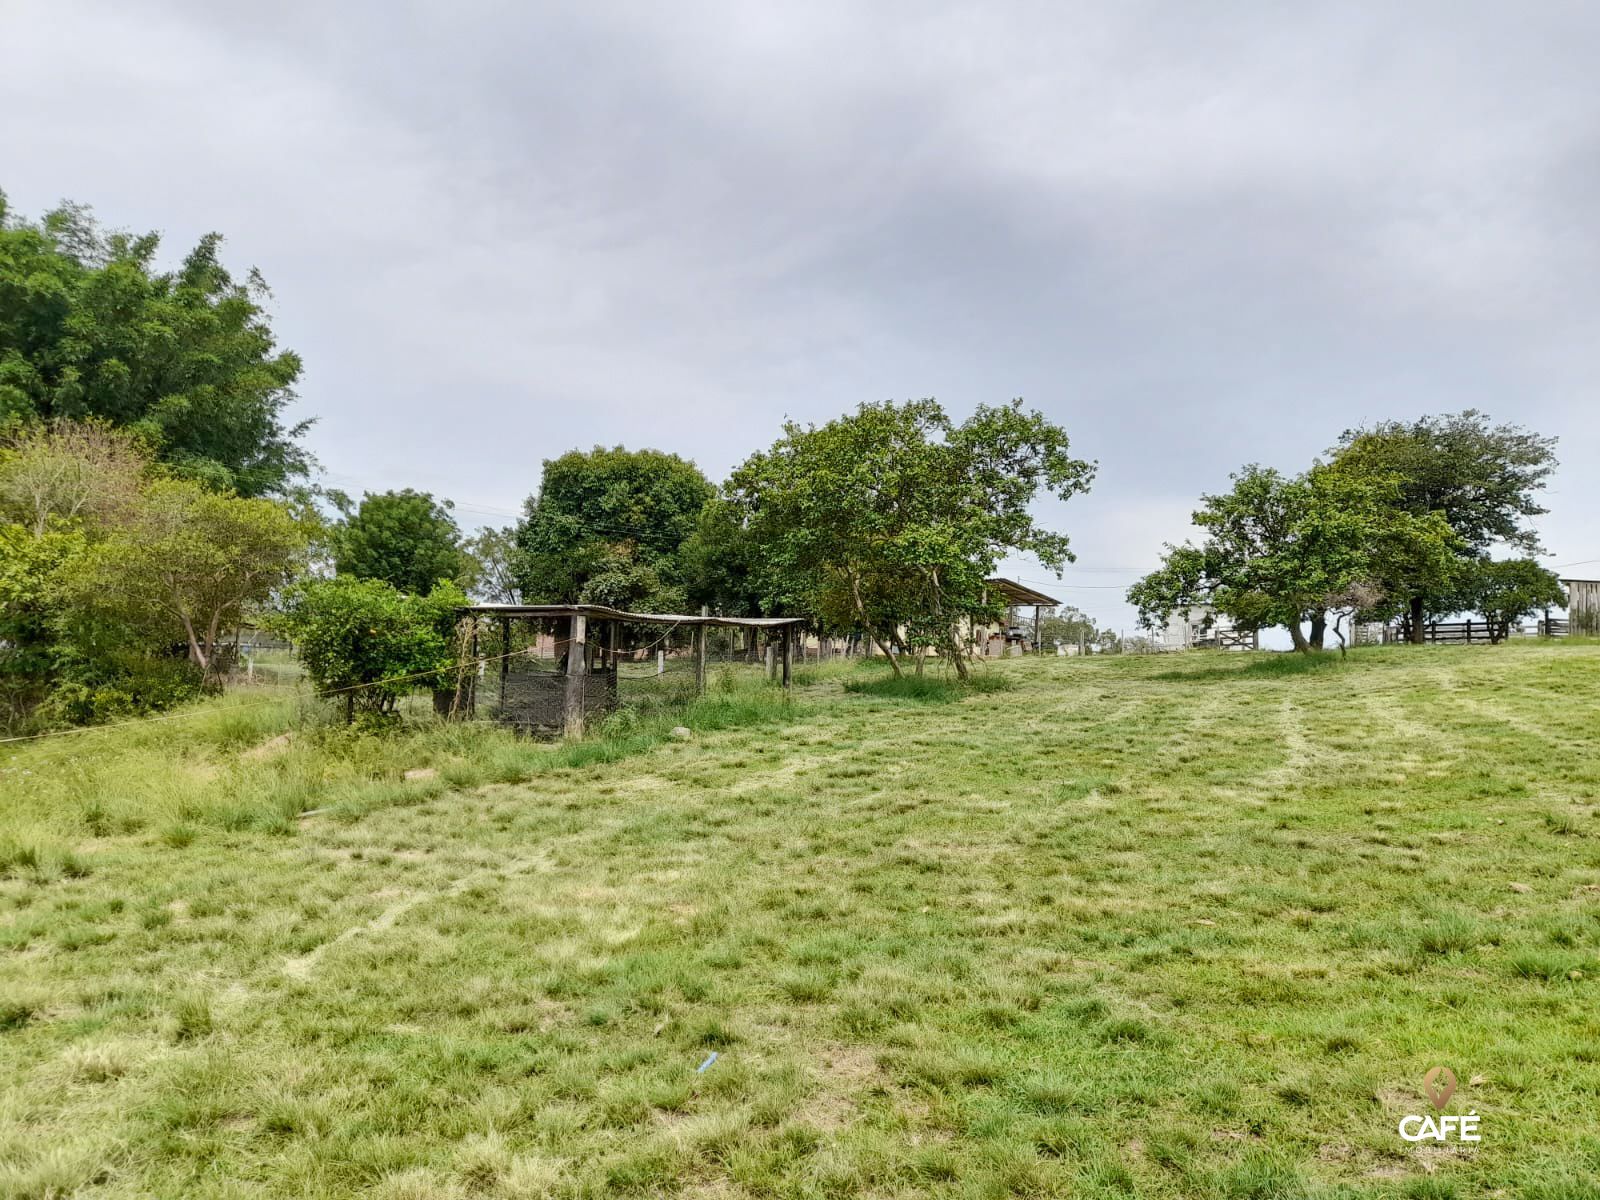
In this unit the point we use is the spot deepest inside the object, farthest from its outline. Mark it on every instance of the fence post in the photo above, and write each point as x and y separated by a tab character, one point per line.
786	656
577	669
505	659
700	652
661	662
772	661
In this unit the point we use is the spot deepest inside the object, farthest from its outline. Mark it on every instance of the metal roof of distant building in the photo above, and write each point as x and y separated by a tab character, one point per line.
1017	593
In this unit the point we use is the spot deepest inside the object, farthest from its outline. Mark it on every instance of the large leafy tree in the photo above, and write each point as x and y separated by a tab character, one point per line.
189	563
720	560
31	569
65	473
1071	627
1482	479
494	556
608	527
892	517
1506	591
63	487
405	538
90	328
1281	550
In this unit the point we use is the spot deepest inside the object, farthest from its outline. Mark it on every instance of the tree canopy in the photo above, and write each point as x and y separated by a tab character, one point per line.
1506	591
405	538
90	329
494	571
607	527
191	561
1481	479
892	517
367	644
1281	550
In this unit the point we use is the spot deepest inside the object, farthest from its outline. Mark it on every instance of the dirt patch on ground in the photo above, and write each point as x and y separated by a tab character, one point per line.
845	1075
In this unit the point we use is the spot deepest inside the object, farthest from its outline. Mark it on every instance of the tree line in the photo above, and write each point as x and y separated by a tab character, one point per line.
154	499
1400	520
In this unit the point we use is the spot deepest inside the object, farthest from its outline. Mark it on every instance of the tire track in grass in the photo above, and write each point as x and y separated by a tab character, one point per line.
302	966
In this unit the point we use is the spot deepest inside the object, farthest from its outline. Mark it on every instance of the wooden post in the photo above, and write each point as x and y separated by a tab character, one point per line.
700	652
1038	645
661	662
577	669
772	661
505	660
787	640
477	673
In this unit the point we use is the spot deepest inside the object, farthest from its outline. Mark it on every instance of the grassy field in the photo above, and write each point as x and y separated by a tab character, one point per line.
1175	927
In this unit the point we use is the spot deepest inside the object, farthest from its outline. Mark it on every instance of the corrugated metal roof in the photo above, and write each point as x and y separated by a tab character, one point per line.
1015	593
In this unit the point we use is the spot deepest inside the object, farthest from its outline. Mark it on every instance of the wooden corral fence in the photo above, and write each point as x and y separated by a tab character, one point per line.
1463	633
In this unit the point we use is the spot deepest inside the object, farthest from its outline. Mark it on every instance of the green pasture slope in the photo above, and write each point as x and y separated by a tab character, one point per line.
1174	927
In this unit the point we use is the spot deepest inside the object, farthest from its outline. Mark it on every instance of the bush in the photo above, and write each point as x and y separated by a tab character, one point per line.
367	644
119	686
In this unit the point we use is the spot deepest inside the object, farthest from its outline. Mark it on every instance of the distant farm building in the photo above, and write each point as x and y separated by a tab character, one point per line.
1583	605
1206	629
1018	633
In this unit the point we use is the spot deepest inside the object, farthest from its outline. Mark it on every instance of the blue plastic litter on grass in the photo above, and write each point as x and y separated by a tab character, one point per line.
701	1068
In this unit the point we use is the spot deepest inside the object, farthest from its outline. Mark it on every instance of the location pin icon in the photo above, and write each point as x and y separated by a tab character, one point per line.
1440	1084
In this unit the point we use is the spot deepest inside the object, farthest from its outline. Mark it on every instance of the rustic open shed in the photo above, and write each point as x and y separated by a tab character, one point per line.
1017	597
561	664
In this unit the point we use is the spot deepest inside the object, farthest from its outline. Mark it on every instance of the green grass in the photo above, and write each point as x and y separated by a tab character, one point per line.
1168	927
942	689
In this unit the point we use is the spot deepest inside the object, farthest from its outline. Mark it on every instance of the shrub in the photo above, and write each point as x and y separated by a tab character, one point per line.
366	643
122	684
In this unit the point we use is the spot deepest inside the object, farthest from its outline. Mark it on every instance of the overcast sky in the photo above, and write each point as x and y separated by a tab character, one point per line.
1195	235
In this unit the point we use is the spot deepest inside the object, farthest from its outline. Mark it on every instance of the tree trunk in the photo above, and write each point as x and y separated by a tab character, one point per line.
1418	634
1298	637
1319	627
861	612
956	656
197	655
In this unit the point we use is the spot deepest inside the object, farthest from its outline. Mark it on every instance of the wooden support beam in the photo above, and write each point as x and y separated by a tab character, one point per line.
505	660
772	660
577	672
788	641
700	653
477	672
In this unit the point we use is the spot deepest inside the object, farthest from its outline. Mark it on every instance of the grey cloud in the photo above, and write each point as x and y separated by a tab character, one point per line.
1197	235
